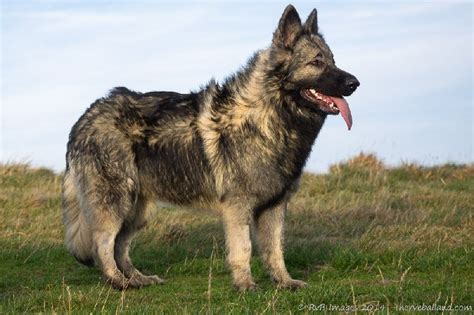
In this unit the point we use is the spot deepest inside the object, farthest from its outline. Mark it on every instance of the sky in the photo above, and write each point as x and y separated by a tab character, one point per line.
414	61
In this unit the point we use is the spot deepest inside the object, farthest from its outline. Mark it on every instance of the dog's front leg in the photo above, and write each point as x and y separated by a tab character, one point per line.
269	230
239	247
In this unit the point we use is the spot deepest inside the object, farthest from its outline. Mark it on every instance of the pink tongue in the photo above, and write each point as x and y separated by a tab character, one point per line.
343	106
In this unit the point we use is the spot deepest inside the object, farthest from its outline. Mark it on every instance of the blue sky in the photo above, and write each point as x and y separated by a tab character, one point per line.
414	61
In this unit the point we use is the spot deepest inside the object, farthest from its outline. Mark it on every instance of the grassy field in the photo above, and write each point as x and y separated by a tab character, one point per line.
363	236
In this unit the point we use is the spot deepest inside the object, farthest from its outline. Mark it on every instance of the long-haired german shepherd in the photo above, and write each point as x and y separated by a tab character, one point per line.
238	148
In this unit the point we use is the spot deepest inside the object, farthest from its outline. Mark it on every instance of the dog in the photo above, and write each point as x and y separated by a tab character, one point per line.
238	148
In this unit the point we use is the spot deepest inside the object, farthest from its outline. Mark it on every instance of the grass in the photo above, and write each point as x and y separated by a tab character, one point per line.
364	235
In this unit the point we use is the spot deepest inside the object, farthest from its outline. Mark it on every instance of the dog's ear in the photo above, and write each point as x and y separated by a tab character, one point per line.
289	28
311	24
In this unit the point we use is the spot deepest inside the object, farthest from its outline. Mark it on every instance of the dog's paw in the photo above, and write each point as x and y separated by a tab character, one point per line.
245	286
291	284
138	280
123	283
154	279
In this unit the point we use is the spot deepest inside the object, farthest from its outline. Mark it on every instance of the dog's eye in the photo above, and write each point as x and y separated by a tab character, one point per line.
317	63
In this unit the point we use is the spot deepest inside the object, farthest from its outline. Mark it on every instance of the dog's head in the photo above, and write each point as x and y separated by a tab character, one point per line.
306	66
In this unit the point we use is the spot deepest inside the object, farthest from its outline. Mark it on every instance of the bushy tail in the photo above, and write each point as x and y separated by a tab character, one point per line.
78	237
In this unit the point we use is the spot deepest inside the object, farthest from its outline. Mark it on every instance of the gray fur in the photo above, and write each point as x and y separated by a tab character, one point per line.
238	148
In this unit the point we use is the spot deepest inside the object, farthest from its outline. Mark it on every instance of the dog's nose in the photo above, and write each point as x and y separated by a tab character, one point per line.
351	84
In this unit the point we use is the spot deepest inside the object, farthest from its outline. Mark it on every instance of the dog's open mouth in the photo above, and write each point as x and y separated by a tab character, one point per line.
332	105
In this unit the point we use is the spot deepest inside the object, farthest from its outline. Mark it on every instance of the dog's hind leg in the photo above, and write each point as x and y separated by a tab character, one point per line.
110	201
103	239
269	230
122	245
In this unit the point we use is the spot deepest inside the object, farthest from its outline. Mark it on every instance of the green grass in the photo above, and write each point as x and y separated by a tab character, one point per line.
363	235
